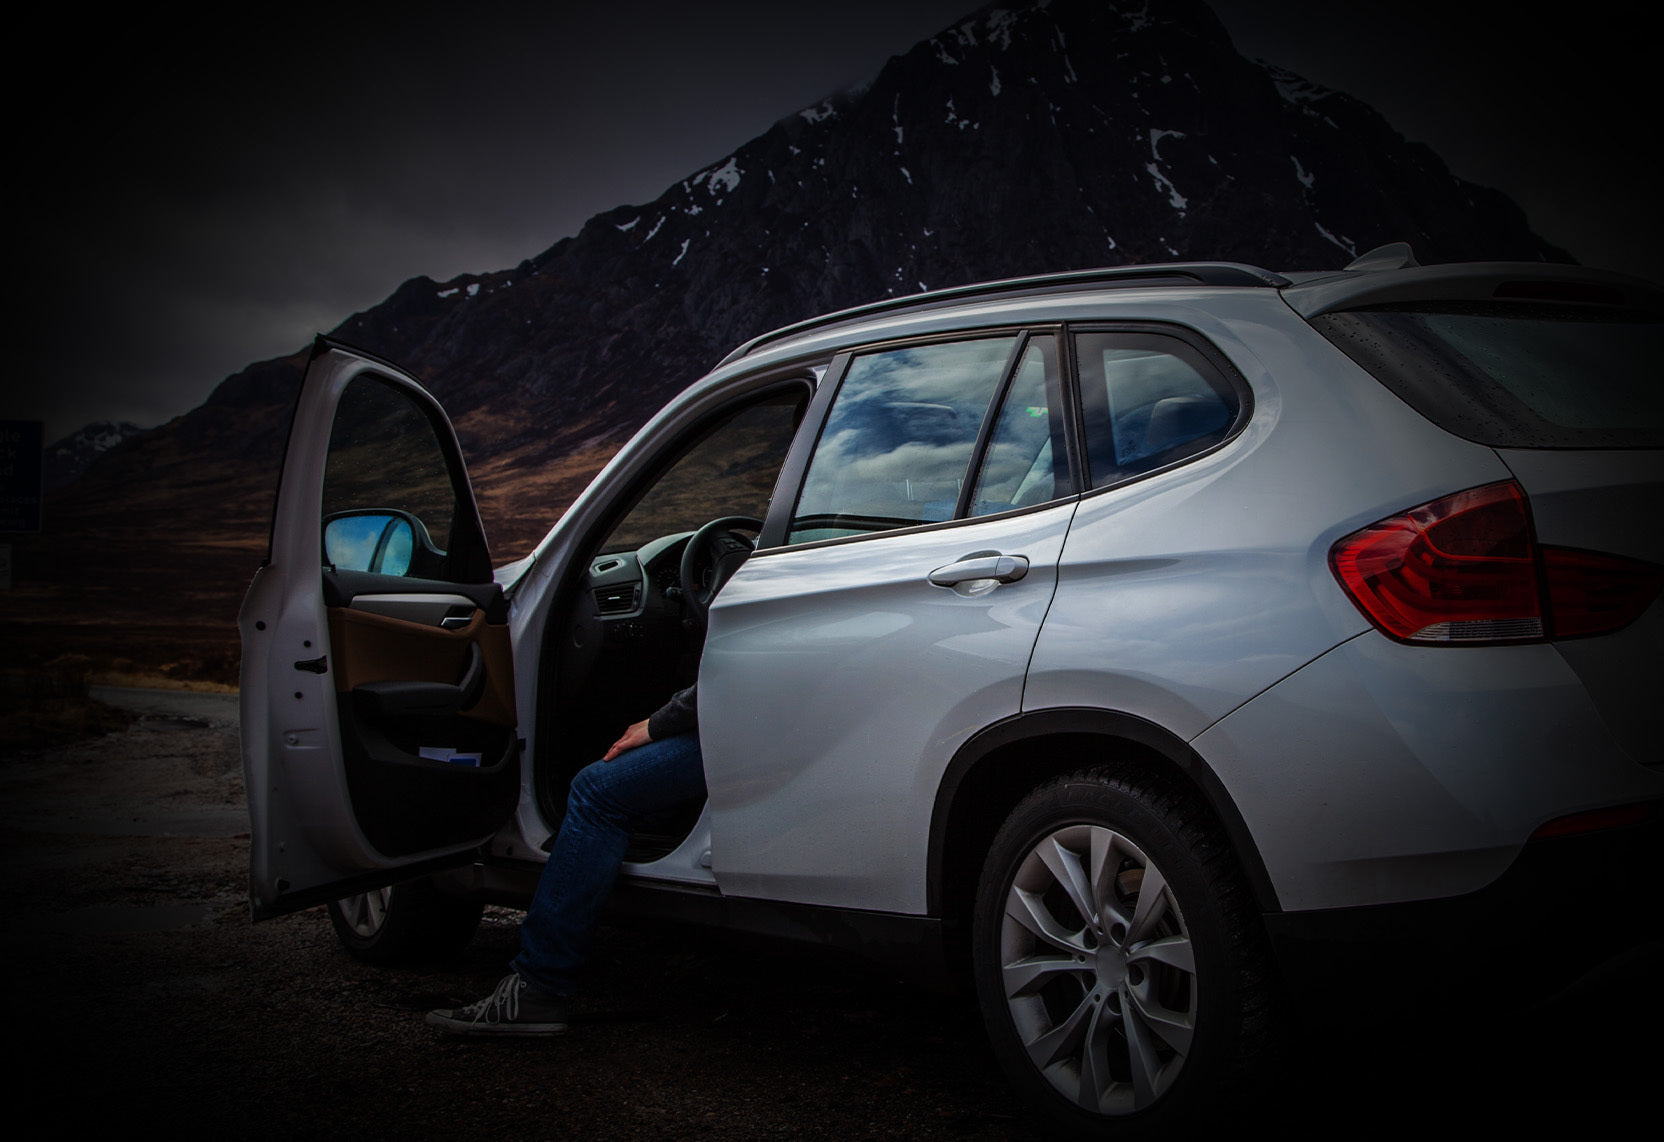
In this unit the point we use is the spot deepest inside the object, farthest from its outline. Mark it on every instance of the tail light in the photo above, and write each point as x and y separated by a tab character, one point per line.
1595	820
1468	569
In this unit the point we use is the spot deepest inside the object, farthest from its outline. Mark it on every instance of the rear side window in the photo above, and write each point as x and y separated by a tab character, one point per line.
1027	461
1516	375
1148	400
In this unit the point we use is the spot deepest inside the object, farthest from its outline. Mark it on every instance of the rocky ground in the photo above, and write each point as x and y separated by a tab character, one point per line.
146	1000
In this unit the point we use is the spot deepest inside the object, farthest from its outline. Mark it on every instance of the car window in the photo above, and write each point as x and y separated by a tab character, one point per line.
1027	461
1148	400
731	470
1516	374
898	440
389	503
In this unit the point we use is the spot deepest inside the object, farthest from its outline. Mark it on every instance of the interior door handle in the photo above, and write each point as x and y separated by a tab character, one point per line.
981	565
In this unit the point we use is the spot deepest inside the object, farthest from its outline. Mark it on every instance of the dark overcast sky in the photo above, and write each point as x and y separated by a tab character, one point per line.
188	198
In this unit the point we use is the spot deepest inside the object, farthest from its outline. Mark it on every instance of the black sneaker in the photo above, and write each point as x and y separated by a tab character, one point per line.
515	1008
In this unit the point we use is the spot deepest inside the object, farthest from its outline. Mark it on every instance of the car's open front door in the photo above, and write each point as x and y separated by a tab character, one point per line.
378	721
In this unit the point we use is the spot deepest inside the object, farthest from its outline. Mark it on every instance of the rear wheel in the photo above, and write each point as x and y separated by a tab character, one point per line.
404	922
1117	960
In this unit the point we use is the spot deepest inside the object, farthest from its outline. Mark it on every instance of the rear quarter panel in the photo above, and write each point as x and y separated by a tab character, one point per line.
1184	594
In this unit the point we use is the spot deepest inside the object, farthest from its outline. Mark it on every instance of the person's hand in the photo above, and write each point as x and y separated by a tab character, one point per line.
636	735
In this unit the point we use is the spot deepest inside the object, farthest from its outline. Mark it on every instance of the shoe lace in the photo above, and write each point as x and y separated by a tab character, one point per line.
501	1006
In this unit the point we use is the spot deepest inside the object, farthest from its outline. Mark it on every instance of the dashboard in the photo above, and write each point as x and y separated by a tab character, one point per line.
639	584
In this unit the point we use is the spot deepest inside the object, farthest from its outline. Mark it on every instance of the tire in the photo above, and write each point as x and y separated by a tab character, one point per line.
404	923
1118	962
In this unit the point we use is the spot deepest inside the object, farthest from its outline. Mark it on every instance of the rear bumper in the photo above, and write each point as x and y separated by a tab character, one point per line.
1565	908
1382	774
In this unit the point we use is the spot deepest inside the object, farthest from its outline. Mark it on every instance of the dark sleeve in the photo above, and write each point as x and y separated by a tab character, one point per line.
680	715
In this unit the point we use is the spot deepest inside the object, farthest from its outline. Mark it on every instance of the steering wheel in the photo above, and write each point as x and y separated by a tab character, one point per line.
714	546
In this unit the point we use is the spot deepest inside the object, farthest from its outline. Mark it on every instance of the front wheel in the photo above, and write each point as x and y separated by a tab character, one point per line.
404	922
1117	959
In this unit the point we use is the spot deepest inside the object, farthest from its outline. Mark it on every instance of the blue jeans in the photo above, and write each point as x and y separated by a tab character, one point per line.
609	799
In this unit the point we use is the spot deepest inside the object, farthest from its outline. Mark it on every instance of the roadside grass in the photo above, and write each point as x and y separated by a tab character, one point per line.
153	680
49	706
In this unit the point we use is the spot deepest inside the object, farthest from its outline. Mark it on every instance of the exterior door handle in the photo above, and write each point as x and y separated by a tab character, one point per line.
981	565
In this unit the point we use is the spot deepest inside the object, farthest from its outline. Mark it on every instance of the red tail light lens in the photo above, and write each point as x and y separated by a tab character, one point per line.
1594	820
1468	569
1590	593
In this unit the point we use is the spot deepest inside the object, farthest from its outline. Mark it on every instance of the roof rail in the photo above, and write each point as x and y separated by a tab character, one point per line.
1167	273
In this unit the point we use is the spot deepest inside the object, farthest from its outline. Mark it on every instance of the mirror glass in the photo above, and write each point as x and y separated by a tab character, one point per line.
381	542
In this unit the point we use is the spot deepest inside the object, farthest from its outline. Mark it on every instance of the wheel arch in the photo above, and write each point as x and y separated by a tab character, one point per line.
1001	764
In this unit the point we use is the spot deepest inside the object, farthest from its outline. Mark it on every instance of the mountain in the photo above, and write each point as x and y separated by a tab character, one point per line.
1022	140
1026	138
68	458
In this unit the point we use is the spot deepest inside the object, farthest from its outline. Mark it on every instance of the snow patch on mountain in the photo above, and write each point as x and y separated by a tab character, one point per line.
65	460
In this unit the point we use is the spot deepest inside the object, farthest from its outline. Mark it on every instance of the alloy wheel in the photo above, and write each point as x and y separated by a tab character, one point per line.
367	912
1098	969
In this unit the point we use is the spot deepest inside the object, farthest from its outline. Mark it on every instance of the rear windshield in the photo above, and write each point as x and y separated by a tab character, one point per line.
1517	375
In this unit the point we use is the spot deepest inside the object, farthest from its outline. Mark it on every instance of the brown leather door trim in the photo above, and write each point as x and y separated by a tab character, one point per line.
375	648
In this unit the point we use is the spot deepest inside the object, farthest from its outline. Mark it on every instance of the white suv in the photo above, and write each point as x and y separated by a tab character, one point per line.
1161	643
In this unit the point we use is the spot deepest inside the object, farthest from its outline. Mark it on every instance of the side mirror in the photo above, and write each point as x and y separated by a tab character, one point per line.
382	541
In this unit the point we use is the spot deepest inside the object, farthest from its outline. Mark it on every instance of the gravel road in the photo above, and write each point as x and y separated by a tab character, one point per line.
148	1000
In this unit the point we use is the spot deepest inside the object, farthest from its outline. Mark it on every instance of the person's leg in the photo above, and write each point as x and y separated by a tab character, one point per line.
608	800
